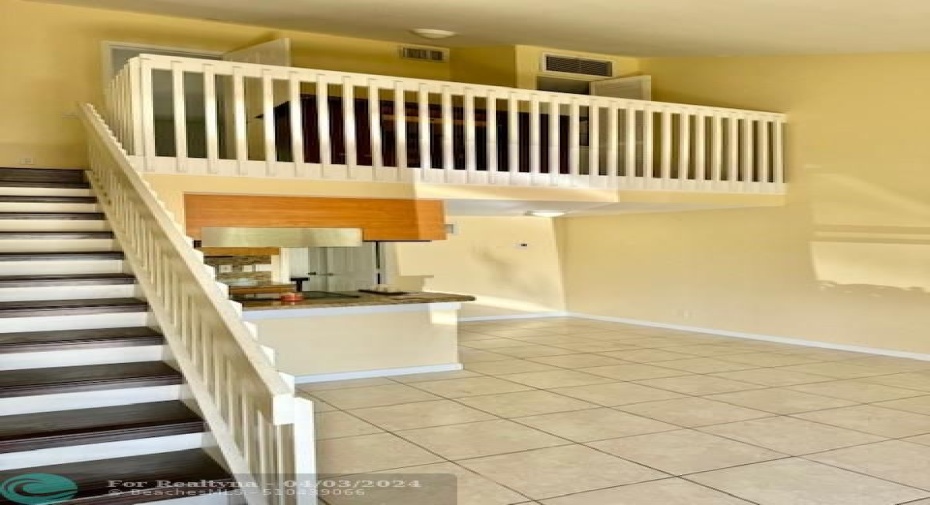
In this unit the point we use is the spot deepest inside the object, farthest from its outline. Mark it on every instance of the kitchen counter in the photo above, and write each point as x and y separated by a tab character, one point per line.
357	300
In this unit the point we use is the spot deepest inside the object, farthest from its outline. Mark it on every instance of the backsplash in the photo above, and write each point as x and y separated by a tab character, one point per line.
239	274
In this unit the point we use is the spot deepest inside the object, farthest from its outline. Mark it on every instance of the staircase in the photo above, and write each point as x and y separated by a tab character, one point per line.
87	391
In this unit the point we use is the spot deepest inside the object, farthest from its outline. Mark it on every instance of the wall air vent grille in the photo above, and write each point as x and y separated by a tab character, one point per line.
423	54
572	65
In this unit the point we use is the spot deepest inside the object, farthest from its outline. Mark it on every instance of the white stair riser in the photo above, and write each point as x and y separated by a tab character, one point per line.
57	245
48	207
81	322
55	267
78	357
53	225
70	292
106	450
88	400
9	190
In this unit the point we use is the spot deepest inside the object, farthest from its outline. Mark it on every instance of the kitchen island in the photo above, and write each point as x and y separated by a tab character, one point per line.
359	335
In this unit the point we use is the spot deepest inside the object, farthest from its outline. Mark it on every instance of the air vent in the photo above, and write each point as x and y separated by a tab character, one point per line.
423	54
583	66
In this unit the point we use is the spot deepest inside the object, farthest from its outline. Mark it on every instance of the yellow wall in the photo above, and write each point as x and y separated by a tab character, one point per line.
491	65
529	58
52	60
846	261
484	259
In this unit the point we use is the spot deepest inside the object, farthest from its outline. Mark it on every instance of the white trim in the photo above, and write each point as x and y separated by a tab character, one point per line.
503	317
293	313
385	372
756	336
107	47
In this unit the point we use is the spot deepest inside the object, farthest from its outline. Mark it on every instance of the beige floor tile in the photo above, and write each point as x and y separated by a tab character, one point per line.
556	378
857	391
420	415
780	401
799	482
901	462
533	351
772	377
659	342
920	439
479	356
579	360
912	380
634	372
473	386
597	424
918	405
435	376
318	405
768	359
484	438
546	473
826	354
835	369
369	453
356	383
374	396
647	355
716	350
705	365
467	336
659	492
492	343
788	435
889	365
601	346
525	403
508	366
693	412
340	424
517	332
616	393
699	384
875	420
685	451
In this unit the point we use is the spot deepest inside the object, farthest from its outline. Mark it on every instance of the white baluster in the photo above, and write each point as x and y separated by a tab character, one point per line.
323	124
400	126
666	158
594	148
268	123
147	103
749	155
574	141
779	154
349	127
648	146
374	127
471	148
763	151
700	150
716	150
239	121
534	137
448	155
425	130
630	149
684	148
732	172
513	137
211	119
296	116
491	129
136	118
613	145
554	133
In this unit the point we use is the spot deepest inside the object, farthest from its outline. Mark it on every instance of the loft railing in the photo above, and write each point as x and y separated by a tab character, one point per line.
263	431
193	116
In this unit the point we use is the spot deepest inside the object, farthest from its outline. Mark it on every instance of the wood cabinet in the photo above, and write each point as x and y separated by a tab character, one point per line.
381	219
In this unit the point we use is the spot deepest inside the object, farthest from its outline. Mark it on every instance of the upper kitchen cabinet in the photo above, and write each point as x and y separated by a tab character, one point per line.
381	219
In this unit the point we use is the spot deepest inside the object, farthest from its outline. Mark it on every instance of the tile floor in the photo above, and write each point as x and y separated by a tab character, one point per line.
563	411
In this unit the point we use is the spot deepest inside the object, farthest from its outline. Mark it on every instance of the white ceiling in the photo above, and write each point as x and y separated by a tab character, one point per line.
631	27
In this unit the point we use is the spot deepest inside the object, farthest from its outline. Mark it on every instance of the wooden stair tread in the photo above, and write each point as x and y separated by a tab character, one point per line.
15	173
43	184
58	216
73	339
94	478
18	281
72	379
38	308
96	425
61	256
55	235
46	199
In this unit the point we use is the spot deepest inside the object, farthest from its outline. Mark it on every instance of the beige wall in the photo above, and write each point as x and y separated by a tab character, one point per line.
845	261
484	259
52	60
491	65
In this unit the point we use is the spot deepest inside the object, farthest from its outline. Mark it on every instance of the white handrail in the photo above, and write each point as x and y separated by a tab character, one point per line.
263	431
341	125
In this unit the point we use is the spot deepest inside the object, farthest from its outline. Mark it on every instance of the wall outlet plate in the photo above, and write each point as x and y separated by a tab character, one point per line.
225	269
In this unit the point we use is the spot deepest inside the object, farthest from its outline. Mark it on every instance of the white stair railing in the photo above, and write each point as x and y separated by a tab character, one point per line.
193	116
264	432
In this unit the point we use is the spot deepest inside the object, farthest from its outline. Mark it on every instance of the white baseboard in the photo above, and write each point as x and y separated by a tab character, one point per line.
755	336
368	374
503	317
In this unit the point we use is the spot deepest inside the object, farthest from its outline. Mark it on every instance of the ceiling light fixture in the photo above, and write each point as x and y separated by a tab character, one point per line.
432	33
545	213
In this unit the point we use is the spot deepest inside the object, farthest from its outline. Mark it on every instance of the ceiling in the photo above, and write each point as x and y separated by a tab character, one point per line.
629	27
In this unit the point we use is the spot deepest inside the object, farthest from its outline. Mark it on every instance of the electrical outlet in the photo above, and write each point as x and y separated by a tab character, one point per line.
225	269
248	268
27	160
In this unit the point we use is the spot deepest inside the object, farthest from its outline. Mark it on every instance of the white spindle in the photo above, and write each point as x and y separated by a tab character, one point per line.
513	135
666	158
491	135
716	150
400	124
534	136
684	147
374	125
749	155
779	154
296	116
448	155
268	123
425	130
139	120
471	147
630	148
648	146
732	172
613	143
323	123
348	124
762	149
554	149
211	119
700	148
147	103
594	148
574	140
239	120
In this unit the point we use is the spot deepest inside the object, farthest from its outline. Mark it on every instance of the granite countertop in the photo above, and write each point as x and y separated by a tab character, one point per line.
358	300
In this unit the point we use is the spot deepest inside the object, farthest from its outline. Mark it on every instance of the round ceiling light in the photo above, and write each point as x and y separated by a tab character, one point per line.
432	33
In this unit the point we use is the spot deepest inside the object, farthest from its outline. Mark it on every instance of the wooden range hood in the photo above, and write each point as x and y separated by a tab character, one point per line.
380	219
